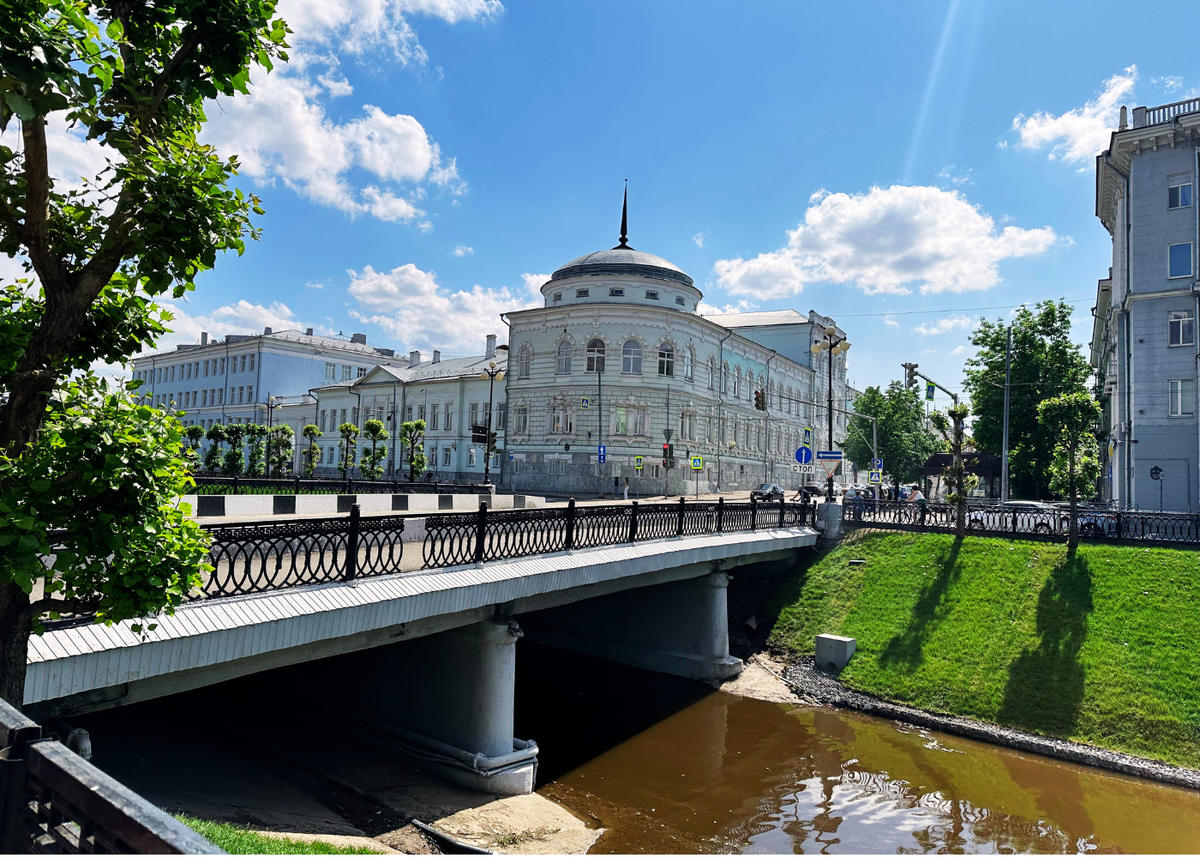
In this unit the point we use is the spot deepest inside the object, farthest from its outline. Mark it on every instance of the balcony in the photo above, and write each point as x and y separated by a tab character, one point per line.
1146	116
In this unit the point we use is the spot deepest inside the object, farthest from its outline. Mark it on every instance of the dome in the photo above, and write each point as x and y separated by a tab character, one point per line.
622	260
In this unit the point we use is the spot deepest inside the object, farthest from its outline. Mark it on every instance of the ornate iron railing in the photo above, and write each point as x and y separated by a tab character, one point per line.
207	484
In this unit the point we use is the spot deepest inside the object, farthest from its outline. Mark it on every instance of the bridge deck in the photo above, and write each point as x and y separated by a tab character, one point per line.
210	641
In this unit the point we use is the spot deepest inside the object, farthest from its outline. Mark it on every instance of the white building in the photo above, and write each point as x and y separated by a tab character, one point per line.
619	357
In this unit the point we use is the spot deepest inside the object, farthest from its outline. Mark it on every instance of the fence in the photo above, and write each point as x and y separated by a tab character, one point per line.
206	485
54	801
1044	522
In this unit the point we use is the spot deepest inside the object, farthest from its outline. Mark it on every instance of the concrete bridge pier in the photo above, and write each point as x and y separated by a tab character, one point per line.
679	627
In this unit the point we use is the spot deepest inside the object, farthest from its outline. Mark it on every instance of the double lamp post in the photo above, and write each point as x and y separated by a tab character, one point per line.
835	345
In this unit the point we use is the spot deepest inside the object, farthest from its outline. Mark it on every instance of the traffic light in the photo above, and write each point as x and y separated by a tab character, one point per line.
760	400
666	455
491	443
910	374
670	456
479	433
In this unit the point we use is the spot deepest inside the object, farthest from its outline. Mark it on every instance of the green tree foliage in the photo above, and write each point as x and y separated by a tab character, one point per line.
280	449
348	447
194	434
234	462
904	442
99	492
312	432
951	425
374	432
212	456
1070	420
1045	364
412	434
256	435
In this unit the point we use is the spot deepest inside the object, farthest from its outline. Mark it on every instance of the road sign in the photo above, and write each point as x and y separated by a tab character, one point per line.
697	463
929	392
510	455
806	436
875	478
585	402
826	455
803	469
600	453
876	465
637	462
804	455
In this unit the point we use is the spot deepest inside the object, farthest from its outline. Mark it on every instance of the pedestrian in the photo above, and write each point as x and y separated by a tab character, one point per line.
919	499
616	486
627	488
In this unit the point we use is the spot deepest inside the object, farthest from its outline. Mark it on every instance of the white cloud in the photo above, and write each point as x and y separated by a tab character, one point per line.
533	285
887	240
1170	83
945	325
958	350
712	310
956	177
890	322
1078	134
699	239
315	284
463	250
410	305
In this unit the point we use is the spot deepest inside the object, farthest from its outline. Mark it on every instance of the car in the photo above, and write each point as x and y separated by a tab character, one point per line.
767	492
1019	516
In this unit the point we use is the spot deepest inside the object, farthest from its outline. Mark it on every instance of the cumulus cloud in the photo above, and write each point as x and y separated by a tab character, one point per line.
1078	134
888	240
241	317
463	250
1170	83
698	238
705	309
414	309
945	325
890	322
533	284
958	350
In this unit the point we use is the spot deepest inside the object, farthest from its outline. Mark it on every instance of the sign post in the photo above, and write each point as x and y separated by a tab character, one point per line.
829	460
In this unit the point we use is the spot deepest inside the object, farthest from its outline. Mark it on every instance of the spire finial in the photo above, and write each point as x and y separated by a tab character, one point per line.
624	245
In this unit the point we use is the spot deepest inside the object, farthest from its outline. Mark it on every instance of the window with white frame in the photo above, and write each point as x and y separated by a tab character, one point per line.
560	420
679	300
346	371
631	357
689	360
524	360
737	383
687	426
243	369
558	467
434	415
447	452
449	416
595	355
581	293
501	415
1181	328
362	372
620	420
651	295
471	454
420	412
563	358
666	360
408	413
1179	260
557	296
1179	191
1183	397
252	363
616	293
712	373
522	419
473	413
637	421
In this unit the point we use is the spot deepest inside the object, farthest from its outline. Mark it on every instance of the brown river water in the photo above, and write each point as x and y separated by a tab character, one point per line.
689	770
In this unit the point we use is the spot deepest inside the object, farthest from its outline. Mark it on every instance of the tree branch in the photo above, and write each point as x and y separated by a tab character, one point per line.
37	205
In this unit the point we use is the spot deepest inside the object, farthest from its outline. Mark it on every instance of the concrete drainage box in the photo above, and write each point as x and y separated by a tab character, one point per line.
834	651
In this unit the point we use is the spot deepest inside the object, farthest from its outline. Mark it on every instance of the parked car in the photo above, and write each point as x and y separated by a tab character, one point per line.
767	492
1029	516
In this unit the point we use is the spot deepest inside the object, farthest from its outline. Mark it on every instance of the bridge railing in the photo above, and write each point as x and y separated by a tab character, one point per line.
54	801
220	485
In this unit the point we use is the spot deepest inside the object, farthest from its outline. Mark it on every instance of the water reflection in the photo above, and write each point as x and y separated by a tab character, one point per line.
726	774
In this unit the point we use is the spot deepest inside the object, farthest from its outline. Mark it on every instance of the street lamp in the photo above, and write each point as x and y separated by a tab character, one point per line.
491	374
271	406
835	345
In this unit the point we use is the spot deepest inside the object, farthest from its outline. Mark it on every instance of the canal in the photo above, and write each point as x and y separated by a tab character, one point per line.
670	766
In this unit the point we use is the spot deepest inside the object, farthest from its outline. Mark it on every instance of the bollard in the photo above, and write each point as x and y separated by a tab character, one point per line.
481	531
753	513
783	510
570	538
720	515
633	522
679	526
235	484
352	545
297	482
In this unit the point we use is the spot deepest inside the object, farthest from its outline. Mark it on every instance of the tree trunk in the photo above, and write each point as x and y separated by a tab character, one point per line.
14	643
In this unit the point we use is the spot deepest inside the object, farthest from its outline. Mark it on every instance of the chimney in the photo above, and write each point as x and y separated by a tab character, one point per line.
204	338
491	346
308	332
266	332
361	339
414	358
437	356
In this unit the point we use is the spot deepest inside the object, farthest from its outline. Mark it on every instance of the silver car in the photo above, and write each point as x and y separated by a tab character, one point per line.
1018	516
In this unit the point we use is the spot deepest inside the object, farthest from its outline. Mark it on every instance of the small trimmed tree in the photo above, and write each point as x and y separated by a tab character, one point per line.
212	456
195	434
234	463
281	449
1071	419
348	447
312	432
256	435
374	431
951	425
412	433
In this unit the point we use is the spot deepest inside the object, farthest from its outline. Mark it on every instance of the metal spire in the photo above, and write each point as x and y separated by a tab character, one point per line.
624	245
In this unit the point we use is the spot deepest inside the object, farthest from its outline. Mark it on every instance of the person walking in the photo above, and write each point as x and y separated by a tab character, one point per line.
627	488
616	486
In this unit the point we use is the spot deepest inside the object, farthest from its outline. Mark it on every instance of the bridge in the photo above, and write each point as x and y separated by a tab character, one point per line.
419	647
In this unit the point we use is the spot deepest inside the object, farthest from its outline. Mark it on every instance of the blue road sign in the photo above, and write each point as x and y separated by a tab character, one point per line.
585	402
806	436
929	392
510	456
697	463
875	477
804	455
600	453
828	455
876	465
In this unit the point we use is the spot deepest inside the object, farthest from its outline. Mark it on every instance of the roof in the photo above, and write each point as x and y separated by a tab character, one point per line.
293	336
622	260
430	371
758	320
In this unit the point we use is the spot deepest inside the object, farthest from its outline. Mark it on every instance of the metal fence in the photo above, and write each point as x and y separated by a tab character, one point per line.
349	486
53	801
1010	520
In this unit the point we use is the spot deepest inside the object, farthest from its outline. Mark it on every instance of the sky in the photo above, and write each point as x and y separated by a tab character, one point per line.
426	164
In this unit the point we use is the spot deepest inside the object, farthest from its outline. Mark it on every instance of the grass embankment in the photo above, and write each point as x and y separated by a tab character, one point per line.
1101	649
237	840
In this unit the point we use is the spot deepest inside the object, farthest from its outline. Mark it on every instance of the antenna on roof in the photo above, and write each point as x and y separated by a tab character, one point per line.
624	245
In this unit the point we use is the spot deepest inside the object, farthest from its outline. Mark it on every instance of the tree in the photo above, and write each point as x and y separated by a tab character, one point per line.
280	449
256	434
951	425
212	457
348	447
195	434
1070	420
99	492
312	433
234	463
374	432
904	442
412	433
1045	364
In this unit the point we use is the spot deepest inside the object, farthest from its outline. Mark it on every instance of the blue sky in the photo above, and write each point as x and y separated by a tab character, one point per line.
424	162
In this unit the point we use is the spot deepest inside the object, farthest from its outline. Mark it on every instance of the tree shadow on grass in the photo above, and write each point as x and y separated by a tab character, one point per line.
907	649
1045	684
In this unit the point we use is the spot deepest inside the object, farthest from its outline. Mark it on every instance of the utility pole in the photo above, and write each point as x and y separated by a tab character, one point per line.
1007	384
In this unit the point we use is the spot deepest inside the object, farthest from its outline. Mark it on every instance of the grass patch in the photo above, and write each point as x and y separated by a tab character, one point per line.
237	840
1099	649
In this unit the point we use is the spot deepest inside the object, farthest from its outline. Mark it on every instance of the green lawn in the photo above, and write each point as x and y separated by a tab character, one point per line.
1104	649
237	840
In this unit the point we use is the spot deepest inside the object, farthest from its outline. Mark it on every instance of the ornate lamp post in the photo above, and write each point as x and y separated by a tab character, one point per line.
271	406
491	374
835	345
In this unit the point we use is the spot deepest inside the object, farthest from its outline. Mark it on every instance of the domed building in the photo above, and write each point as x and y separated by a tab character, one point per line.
619	357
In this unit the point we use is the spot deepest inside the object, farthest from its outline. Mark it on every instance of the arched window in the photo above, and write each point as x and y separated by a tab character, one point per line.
737	382
666	360
725	378
689	359
712	373
564	358
595	356
631	357
524	360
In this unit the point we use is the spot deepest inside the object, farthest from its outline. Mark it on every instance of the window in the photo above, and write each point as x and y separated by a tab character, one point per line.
687	426
1183	399
581	293
558	296
666	360
595	356
433	416
563	365
557	467
206	369
637	421
362	371
449	416
346	370
243	363
470	457
354	415
725	378
560	420
241	393
473	414
446	453
689	358
1179	191
222	366
1181	328
331	370
189	372
679	300
620	420
737	382
1179	260
420	412
616	293
433	455
712	373
321	425
204	397
522	419
524	360
631	357
249	394
501	415
651	295
252	363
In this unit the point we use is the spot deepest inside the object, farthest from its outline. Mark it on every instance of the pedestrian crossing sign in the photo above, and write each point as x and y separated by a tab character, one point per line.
929	392
585	402
806	436
637	462
697	463
875	478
